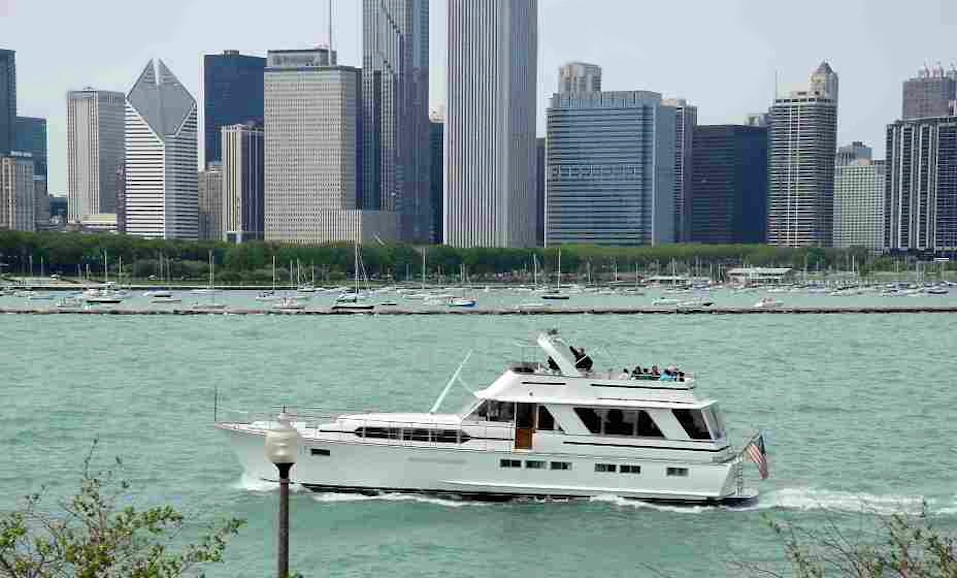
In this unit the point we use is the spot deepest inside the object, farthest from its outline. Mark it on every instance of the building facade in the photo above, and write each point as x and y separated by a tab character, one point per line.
244	184
395	113
490	123
729	184
540	177
610	169
921	184
232	94
312	158
859	204
31	137
579	77
210	188
686	118
162	197
8	100
856	151
932	93
95	150
436	168
17	193
803	144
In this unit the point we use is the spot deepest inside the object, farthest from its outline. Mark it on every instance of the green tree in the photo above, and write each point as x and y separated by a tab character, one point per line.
93	536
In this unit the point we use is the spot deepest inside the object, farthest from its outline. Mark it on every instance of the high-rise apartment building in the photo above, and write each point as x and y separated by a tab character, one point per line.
95	151
160	156
232	94
8	100
921	184
610	169
395	113
803	144
312	161
729	184
579	77
932	93
859	203
17	193
244	184
490	123
686	118
436	168
210	187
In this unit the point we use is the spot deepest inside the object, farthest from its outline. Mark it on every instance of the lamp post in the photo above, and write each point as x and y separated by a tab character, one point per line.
282	445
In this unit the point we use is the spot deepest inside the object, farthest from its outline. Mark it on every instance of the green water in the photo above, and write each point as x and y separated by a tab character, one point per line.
857	409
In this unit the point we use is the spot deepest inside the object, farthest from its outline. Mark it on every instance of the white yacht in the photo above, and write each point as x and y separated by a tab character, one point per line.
535	431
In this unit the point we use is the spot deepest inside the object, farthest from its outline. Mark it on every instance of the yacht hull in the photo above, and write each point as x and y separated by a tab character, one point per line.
371	468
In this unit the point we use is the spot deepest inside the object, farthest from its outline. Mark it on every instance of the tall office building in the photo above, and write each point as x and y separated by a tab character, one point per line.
312	156
31	137
931	93
686	118
729	184
579	77
859	203
490	125
921	184
244	184
610	169
395	113
8	100
17	193
95	151
540	176
856	151
232	94
436	167
803	143
210	188
160	146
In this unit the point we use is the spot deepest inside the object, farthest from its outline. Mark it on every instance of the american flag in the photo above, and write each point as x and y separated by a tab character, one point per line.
756	454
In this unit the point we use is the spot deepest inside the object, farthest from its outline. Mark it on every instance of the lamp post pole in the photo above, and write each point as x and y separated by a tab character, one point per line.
282	445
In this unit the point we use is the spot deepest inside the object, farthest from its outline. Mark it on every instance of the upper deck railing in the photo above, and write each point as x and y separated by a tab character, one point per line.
685	381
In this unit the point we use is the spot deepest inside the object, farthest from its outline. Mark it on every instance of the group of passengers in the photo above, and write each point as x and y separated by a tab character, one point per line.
653	373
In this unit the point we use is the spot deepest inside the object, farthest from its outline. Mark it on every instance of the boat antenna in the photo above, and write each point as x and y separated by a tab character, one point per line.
448	386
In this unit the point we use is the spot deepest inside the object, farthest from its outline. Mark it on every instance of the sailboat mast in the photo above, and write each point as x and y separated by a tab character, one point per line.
357	268
559	267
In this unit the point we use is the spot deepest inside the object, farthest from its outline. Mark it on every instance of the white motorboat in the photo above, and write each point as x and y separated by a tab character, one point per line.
162	300
69	302
462	302
535	431
159	294
768	303
211	306
288	304
664	301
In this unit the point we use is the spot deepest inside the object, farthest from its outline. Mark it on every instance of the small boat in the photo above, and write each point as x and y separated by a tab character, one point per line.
158	294
267	296
691	304
938	291
161	300
353	307
768	303
388	304
555	296
40	297
664	301
462	302
288	304
103	299
213	306
349	302
69	303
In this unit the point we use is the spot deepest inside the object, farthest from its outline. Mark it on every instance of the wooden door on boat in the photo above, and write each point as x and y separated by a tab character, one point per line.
524	425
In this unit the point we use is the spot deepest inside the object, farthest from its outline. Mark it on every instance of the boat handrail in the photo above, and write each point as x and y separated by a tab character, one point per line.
539	368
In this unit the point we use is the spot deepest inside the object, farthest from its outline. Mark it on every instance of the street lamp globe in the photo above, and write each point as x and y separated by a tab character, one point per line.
282	442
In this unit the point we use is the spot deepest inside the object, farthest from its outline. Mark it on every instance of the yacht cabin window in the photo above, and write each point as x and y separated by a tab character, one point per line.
490	410
713	415
546	422
692	420
618	422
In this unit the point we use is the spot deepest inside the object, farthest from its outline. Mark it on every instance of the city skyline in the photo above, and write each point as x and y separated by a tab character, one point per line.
872	71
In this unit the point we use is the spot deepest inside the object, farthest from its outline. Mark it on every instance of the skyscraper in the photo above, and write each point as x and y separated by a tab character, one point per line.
610	169
856	151
312	160
931	93
490	125
95	151
859	203
729	184
540	178
803	143
579	77
395	113
31	137
686	118
8	100
243	183
210	187
921	184
160	145
436	168
17	193
232	94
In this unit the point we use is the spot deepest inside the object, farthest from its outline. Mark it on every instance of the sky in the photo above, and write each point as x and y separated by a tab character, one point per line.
721	55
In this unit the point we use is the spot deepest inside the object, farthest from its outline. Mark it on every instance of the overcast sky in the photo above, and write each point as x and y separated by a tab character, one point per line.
719	54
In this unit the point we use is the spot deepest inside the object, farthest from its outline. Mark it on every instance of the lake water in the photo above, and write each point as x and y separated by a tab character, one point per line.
857	410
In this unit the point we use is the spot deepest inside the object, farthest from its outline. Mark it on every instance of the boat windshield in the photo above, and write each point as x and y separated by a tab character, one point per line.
715	420
490	410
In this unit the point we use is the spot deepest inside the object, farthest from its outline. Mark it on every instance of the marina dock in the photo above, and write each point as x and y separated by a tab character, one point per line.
488	311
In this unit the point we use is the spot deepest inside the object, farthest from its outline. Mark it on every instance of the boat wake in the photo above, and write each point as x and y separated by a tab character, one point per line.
339	497
806	500
256	485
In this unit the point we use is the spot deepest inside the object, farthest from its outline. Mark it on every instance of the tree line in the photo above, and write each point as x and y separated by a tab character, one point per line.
73	254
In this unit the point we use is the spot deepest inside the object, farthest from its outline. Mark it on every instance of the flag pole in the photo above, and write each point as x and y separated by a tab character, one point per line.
745	447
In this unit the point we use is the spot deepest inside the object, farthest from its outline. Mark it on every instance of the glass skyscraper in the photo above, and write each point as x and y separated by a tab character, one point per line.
31	137
233	94
8	100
